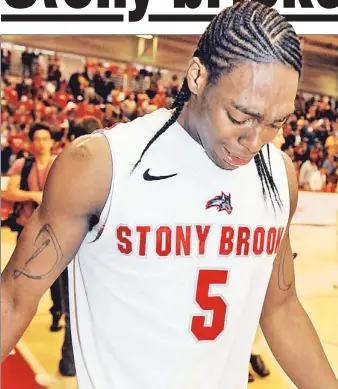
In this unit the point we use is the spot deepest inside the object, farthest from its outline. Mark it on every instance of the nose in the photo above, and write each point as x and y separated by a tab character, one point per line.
252	139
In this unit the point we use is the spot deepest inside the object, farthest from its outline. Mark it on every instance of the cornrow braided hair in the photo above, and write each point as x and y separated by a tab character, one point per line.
247	31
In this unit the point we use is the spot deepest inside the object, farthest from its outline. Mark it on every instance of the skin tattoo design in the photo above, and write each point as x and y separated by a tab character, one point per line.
49	241
283	284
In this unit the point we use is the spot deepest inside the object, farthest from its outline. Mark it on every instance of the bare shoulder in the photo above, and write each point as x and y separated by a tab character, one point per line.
80	177
293	183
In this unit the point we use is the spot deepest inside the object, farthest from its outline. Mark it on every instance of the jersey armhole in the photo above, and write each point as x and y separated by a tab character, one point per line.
95	234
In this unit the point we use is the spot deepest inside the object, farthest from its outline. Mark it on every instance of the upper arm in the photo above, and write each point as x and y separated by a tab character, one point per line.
282	284
15	175
77	187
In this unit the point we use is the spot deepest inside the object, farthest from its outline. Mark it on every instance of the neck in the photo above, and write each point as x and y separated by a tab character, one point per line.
188	123
43	160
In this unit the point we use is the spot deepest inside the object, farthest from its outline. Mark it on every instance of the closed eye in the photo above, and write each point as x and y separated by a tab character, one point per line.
250	121
233	120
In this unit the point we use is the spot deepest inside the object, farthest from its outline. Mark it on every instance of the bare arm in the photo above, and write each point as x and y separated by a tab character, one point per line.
77	188
285	324
14	193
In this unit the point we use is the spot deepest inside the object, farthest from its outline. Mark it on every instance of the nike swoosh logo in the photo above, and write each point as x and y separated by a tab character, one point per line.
149	177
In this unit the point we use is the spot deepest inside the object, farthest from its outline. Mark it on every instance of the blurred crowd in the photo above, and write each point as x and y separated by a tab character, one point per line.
44	96
311	141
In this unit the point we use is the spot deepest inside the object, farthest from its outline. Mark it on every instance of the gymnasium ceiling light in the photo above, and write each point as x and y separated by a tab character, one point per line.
145	36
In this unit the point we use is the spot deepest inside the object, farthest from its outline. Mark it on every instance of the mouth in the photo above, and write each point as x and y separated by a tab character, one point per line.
233	160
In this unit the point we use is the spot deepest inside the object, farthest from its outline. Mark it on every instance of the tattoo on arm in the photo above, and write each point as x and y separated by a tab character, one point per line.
49	241
283	284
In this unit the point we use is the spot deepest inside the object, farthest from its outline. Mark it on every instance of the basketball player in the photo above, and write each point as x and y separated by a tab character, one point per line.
178	226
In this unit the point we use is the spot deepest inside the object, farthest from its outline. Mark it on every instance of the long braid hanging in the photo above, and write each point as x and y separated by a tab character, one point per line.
182	97
247	31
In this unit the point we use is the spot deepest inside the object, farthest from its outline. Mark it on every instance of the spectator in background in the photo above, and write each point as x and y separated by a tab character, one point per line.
330	168
152	90
91	124
91	97
42	143
328	164
74	84
322	133
289	136
301	152
310	177
27	58
129	106
99	84
6	151
332	179
35	62
54	75
6	57
16	139
331	143
28	199
109	85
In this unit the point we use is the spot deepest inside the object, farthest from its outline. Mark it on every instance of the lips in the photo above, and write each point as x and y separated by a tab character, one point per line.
233	160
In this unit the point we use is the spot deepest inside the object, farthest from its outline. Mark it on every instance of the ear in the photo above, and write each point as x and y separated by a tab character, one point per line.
196	76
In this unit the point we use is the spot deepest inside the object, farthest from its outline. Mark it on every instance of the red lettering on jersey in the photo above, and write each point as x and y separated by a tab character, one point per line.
183	239
226	245
122	232
258	241
271	240
279	238
202	237
243	241
163	252
143	230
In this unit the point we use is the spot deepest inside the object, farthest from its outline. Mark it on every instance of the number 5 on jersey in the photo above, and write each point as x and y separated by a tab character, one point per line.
216	304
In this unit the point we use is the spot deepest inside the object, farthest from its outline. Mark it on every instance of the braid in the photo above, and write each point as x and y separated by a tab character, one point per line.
260	173
178	105
271	183
247	31
268	149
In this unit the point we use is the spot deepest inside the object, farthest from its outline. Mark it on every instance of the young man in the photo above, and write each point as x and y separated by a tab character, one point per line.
178	223
42	144
28	199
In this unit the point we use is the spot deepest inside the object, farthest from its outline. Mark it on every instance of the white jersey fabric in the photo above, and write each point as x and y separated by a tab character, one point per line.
170	294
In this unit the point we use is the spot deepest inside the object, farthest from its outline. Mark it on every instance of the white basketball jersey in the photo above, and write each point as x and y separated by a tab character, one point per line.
169	293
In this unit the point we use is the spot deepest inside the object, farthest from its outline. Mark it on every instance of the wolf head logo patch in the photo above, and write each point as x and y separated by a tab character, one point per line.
222	203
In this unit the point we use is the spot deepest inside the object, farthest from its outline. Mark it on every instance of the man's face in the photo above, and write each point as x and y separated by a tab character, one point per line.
42	142
243	111
313	156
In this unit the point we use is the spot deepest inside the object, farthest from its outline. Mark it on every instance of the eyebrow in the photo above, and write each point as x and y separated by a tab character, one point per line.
255	114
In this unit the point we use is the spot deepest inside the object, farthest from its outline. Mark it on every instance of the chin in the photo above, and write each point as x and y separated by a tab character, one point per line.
227	166
221	163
